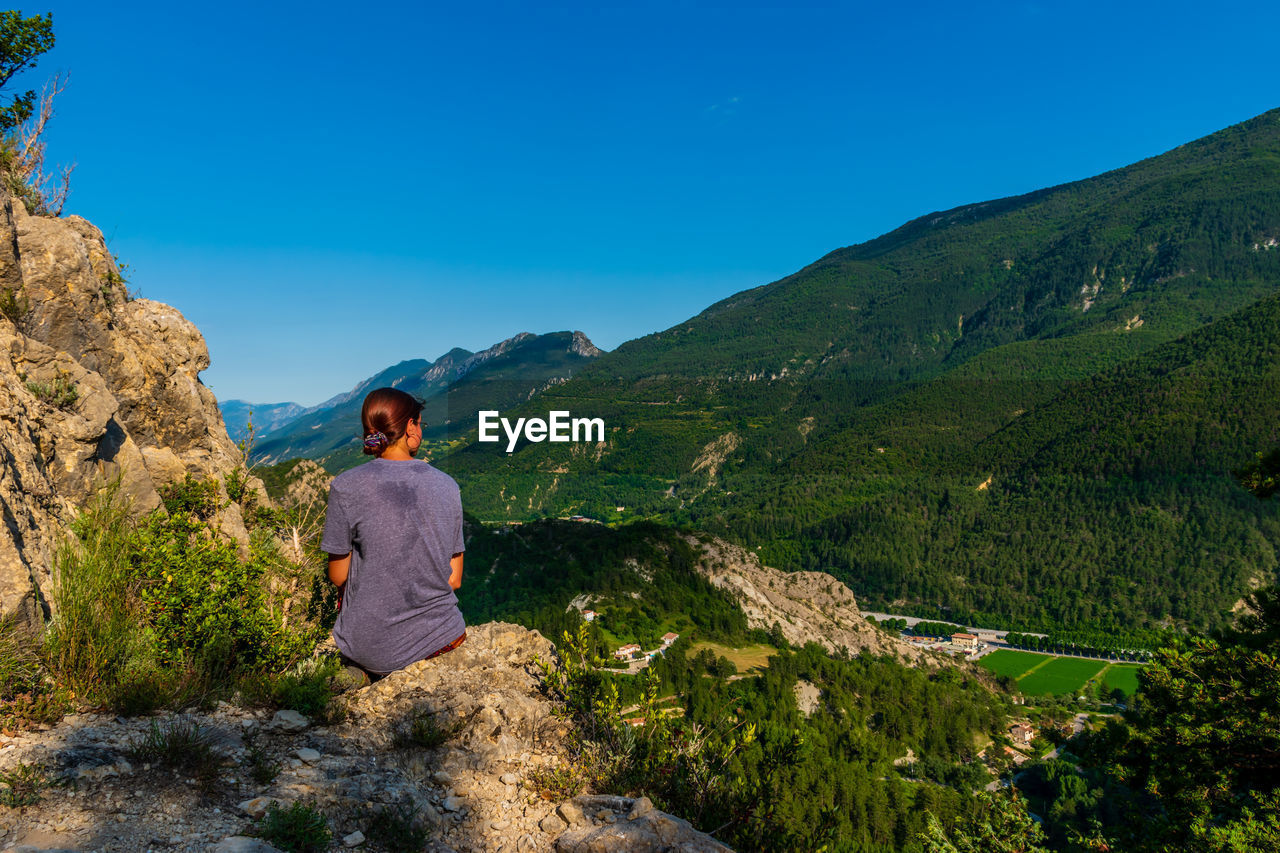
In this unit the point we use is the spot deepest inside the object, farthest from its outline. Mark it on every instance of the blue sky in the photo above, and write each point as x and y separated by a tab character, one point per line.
326	190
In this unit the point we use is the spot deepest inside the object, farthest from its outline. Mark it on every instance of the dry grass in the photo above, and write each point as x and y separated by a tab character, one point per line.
747	658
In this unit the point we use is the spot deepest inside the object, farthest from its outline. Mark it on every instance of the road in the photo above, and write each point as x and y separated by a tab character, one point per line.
993	638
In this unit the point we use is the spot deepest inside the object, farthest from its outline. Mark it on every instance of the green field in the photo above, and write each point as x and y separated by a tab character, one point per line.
1046	675
1060	675
1122	675
1011	663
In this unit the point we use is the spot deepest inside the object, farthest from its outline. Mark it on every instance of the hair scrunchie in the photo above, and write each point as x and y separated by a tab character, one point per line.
375	442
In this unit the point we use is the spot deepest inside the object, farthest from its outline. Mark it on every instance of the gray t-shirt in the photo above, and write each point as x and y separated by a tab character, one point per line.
401	521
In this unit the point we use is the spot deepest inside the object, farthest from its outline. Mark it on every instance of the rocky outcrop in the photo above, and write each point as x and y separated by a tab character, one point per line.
581	345
809	607
478	790
94	385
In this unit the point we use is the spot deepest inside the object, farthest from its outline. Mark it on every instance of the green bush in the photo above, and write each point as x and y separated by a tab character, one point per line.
300	828
395	829
425	732
60	393
13	306
24	785
198	498
98	632
179	744
307	688
199	595
163	612
19	664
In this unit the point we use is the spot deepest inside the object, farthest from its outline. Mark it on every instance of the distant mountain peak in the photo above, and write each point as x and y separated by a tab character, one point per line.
582	346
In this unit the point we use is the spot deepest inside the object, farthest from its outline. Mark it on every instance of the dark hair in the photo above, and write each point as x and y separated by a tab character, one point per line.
385	414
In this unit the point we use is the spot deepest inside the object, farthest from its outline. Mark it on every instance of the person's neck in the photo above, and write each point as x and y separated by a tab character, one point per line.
396	453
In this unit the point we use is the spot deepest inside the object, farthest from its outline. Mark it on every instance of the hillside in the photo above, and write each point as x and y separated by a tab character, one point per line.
453	388
832	417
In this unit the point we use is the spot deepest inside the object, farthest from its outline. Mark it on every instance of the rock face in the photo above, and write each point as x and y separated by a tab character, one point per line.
93	385
808	606
476	790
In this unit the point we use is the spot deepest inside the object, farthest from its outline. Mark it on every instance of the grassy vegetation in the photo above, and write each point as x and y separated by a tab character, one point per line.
1012	663
1051	675
298	828
1119	676
162	611
1059	676
750	658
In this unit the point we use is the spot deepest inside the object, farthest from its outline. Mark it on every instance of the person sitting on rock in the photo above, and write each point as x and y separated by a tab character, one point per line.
393	534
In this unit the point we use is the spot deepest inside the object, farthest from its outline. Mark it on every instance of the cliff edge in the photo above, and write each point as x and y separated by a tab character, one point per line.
94	385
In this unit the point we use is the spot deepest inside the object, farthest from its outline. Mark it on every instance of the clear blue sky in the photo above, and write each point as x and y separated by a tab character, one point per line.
326	189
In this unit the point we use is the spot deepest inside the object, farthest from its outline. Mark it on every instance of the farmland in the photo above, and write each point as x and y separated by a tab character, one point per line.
1044	675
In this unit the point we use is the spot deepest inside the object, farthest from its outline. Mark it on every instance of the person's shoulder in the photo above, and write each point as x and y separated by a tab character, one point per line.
433	475
353	477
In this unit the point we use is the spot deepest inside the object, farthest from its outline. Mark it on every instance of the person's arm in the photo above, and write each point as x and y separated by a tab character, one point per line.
340	565
455	571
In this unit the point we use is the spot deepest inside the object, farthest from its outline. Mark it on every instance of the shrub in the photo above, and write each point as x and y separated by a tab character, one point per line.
13	306
395	829
557	783
262	769
300	828
164	612
24	785
19	663
26	693
179	744
197	498
98	630
61	393
424	731
307	688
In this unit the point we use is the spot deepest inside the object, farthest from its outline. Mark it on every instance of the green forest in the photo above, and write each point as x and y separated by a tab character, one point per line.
1023	413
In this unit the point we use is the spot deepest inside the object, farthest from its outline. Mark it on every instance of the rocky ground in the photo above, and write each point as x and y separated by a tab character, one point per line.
478	791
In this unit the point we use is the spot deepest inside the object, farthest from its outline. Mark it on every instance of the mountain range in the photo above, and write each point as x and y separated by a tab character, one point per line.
1024	411
453	388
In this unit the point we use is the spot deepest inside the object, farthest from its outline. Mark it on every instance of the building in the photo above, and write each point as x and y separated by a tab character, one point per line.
669	638
588	616
1022	734
627	652
964	641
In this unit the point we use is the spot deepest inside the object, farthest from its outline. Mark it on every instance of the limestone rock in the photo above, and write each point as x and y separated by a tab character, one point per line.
258	806
133	405
650	831
289	721
489	687
244	844
808	606
497	715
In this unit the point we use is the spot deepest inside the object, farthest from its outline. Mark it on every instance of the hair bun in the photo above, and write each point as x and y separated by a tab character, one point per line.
375	442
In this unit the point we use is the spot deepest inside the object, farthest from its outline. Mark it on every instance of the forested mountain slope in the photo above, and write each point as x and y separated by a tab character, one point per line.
845	417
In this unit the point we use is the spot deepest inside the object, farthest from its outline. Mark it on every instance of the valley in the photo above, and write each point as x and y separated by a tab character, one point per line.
1032	415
